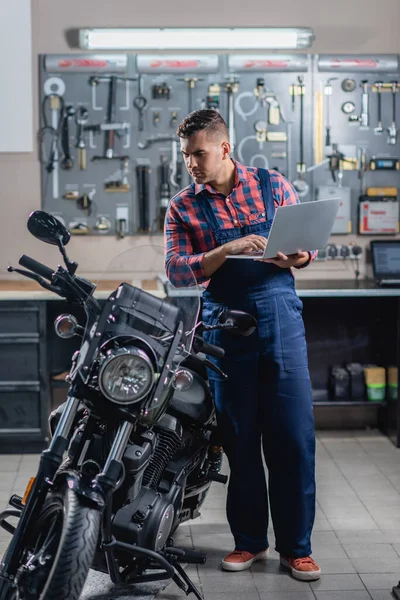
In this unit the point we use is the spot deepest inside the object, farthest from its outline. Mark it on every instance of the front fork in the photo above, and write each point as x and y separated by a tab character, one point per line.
50	461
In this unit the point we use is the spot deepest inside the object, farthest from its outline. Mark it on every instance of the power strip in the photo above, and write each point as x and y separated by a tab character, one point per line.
340	252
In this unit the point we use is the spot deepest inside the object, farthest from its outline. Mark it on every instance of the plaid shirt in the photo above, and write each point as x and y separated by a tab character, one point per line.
187	233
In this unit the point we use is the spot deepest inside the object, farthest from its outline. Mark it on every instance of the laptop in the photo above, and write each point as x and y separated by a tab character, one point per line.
298	227
386	261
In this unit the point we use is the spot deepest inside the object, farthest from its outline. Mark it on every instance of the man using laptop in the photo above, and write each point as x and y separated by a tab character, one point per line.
266	400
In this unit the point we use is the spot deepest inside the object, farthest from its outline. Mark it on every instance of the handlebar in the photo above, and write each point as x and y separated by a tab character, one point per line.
36	267
210	349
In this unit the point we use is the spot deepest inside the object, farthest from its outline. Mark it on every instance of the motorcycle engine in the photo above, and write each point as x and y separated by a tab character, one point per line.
147	520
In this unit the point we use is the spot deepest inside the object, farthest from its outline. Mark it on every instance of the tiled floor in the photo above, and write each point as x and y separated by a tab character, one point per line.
356	538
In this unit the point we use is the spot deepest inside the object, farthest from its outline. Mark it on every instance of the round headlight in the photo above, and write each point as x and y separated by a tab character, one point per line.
126	375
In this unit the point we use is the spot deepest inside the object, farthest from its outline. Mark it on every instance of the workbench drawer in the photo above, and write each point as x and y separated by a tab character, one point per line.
19	409
17	318
19	359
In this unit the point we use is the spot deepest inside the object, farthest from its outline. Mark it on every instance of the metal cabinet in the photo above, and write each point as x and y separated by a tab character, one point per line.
24	393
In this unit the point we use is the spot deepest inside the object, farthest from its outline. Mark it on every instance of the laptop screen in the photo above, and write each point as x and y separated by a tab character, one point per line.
386	259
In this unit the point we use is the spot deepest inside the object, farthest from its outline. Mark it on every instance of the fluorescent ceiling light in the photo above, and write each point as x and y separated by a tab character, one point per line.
200	38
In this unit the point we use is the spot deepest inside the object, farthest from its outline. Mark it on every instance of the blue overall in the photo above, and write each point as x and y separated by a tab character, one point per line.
266	400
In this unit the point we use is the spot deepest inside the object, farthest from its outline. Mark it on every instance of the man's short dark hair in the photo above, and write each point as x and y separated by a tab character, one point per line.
202	120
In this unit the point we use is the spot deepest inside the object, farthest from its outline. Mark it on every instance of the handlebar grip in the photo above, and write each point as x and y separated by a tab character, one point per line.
217	477
36	267
212	350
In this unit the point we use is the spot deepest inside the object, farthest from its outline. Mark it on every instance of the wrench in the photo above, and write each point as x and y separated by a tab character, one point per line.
328	90
379	128
392	130
231	87
81	118
66	162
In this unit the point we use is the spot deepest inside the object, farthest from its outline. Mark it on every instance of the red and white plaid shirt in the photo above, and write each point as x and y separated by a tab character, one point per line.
187	232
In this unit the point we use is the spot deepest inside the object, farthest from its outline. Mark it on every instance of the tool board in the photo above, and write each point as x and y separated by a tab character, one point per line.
110	157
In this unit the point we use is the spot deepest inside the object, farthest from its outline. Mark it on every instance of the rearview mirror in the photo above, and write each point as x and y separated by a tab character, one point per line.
238	322
47	228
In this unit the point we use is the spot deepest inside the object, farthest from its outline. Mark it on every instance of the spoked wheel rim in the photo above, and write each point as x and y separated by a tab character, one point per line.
41	553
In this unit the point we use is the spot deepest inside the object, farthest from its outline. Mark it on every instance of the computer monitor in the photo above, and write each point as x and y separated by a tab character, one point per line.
386	259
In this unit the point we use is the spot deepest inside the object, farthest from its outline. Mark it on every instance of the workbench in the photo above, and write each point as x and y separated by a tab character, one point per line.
346	321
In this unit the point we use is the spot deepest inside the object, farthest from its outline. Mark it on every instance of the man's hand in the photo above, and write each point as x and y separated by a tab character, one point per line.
285	262
245	245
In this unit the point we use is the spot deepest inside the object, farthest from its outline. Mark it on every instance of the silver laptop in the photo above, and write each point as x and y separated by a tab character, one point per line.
299	227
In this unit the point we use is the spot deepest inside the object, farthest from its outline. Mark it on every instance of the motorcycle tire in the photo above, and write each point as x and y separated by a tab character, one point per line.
76	539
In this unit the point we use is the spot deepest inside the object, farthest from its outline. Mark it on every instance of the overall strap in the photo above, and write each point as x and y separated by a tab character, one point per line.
266	189
208	212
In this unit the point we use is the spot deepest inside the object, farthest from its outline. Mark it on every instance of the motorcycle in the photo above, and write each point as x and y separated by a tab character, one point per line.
130	457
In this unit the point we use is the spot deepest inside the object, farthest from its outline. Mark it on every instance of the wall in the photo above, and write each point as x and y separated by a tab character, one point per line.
340	26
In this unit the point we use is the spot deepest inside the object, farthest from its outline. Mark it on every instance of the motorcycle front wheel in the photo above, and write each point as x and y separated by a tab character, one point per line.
61	549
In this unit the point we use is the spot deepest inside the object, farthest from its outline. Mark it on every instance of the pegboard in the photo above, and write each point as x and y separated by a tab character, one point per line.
120	180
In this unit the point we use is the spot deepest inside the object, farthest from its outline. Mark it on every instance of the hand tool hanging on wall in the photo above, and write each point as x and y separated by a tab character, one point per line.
213	96
300	185
85	203
392	139
156	118
66	162
161	91
140	103
173	119
268	101
54	89
81	118
154	139
111	128
175	177
121	183
122	221
191	85
164	192
328	90
348	108
143	181
364	118
231	88
348	85
379	129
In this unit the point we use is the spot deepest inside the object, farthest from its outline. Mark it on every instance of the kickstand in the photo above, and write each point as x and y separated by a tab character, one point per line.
191	588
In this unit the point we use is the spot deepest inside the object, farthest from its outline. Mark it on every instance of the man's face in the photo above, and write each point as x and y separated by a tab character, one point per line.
203	155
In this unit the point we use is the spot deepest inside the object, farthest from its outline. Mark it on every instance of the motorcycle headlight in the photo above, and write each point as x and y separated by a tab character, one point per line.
126	375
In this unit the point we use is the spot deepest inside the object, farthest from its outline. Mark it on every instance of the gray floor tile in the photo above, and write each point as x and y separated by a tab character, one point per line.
362	537
322	524
325	551
279	583
232	583
209	528
299	595
383	581
336	565
362	523
382	551
377	565
341	511
338	583
381	595
324	538
343	595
